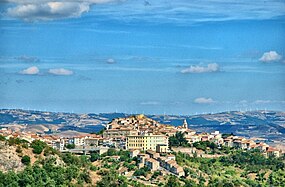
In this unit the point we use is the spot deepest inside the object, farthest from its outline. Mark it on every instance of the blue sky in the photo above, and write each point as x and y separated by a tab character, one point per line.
155	57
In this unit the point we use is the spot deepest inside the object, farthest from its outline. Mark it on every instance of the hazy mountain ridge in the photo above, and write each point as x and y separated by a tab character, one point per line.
262	124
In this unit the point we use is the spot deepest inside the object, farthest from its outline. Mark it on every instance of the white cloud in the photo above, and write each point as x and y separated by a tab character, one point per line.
150	103
214	67
203	100
270	56
60	71
48	11
30	71
111	61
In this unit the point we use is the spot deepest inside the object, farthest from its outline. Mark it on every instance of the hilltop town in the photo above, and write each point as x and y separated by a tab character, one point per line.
267	126
149	141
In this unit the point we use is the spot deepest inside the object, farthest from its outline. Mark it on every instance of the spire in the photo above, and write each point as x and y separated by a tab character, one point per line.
185	125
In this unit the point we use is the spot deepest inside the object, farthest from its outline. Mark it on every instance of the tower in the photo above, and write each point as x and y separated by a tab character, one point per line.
185	125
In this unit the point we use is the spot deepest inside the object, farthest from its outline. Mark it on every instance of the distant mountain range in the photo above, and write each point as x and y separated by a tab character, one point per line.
267	125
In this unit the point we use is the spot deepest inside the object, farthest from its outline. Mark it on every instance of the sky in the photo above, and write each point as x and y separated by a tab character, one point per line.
136	56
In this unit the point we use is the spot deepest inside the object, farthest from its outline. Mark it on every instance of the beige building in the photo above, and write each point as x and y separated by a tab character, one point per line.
273	152
145	142
122	132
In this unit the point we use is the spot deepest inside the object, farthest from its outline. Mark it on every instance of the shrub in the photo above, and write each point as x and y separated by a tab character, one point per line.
94	157
19	150
26	160
2	138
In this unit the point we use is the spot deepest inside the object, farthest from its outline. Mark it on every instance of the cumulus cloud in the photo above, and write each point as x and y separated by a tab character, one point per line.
111	61
60	71
46	10
214	67
26	58
30	71
203	100
271	56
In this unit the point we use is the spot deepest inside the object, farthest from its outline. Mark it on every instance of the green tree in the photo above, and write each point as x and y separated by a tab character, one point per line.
2	138
70	146
26	160
94	157
38	146
111	179
178	140
111	152
173	182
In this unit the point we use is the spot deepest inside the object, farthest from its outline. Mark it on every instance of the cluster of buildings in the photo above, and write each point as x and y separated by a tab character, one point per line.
56	142
140	132
247	144
144	134
155	161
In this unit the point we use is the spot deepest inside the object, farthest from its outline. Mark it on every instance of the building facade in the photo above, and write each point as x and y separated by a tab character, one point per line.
145	142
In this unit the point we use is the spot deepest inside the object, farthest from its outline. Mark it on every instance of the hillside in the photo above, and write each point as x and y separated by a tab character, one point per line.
116	168
266	125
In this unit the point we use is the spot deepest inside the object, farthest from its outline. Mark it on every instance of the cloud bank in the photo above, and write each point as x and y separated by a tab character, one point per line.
30	71
60	71
271	56
203	100
214	67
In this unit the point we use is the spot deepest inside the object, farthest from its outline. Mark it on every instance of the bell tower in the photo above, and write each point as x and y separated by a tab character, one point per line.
185	124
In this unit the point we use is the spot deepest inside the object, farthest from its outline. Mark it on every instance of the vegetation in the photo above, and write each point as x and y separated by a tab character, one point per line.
141	172
26	160
46	173
38	146
178	140
16	141
50	151
70	146
203	145
173	182
94	157
239	168
2	138
112	179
